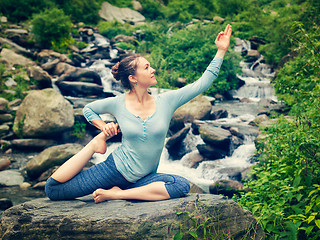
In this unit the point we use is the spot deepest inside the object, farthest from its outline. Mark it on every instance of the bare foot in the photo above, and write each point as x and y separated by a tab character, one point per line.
101	195
98	143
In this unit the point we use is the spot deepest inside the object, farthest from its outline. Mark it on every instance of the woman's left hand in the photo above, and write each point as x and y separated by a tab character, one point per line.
223	39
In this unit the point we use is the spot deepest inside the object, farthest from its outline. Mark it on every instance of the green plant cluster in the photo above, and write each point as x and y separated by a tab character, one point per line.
285	195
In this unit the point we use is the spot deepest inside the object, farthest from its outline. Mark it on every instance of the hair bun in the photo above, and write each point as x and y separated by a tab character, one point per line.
115	71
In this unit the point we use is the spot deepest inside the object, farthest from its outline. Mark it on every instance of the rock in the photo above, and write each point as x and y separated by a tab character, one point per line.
43	113
136	5
256	42
16	48
218	19
259	119
3	105
4	145
3	19
215	136
10	178
32	143
198	108
40	185
25	185
122	15
119	219
5	203
50	66
4	130
195	189
210	152
174	142
252	56
63	68
47	55
14	59
192	159
226	187
4	162
6	118
50	157
15	103
77	89
81	75
217	113
42	78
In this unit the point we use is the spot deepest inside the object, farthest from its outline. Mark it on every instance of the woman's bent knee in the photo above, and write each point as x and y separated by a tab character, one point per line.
50	189
179	188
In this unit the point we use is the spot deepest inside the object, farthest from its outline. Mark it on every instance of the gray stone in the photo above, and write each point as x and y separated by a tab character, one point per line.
4	130
215	136
32	143
120	219
259	119
5	162
14	59
122	15
192	159
50	157
5	118
217	113
43	113
42	78
10	178
175	141
15	47
198	108
77	89
3	105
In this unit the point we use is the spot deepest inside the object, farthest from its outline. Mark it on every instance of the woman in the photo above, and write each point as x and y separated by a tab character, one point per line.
130	171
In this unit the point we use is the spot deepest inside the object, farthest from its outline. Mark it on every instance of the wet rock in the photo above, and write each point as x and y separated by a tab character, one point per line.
50	157
252	56
210	152
226	187
43	113
122	15
192	159
198	108
42	78
215	136
63	68
217	113
81	75
47	55
120	219
174	143
77	89
10	178
32	143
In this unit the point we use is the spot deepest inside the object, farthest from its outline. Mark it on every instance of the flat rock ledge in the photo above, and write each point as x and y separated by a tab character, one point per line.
120	219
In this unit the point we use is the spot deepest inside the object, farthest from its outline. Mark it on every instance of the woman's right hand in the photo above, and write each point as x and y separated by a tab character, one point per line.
110	129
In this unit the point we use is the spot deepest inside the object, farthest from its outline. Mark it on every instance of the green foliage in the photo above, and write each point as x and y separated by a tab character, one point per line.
285	196
180	51
112	29
231	7
79	129
51	28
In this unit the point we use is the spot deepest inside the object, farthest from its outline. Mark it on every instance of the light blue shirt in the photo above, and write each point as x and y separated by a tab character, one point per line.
143	140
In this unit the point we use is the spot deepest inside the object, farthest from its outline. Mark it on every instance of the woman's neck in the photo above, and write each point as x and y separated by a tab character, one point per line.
141	95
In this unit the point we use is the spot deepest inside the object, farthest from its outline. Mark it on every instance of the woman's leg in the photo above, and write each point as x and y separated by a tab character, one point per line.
76	163
153	187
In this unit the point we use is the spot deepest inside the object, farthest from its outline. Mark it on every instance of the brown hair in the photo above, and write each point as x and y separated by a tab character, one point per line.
123	69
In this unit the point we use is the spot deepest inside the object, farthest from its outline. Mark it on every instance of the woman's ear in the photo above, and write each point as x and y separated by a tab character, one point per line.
132	79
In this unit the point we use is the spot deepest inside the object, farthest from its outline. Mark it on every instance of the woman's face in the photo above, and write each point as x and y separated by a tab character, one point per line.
145	73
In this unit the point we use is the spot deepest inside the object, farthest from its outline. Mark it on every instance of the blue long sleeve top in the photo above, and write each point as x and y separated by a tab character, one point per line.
143	140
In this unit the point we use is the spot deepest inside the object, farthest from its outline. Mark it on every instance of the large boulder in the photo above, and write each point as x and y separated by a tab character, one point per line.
122	15
119	219
50	157
76	89
215	136
42	78
198	108
43	113
14	59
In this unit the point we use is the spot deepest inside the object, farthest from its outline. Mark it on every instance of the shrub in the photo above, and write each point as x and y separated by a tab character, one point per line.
51	27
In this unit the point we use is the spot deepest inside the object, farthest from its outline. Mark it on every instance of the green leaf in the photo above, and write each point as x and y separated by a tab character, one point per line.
317	223
193	234
178	236
296	181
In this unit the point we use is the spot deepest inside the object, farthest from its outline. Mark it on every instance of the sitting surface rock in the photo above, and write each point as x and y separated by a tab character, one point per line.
43	113
120	219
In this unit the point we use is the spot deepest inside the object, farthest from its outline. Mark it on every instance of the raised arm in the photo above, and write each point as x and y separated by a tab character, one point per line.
183	95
